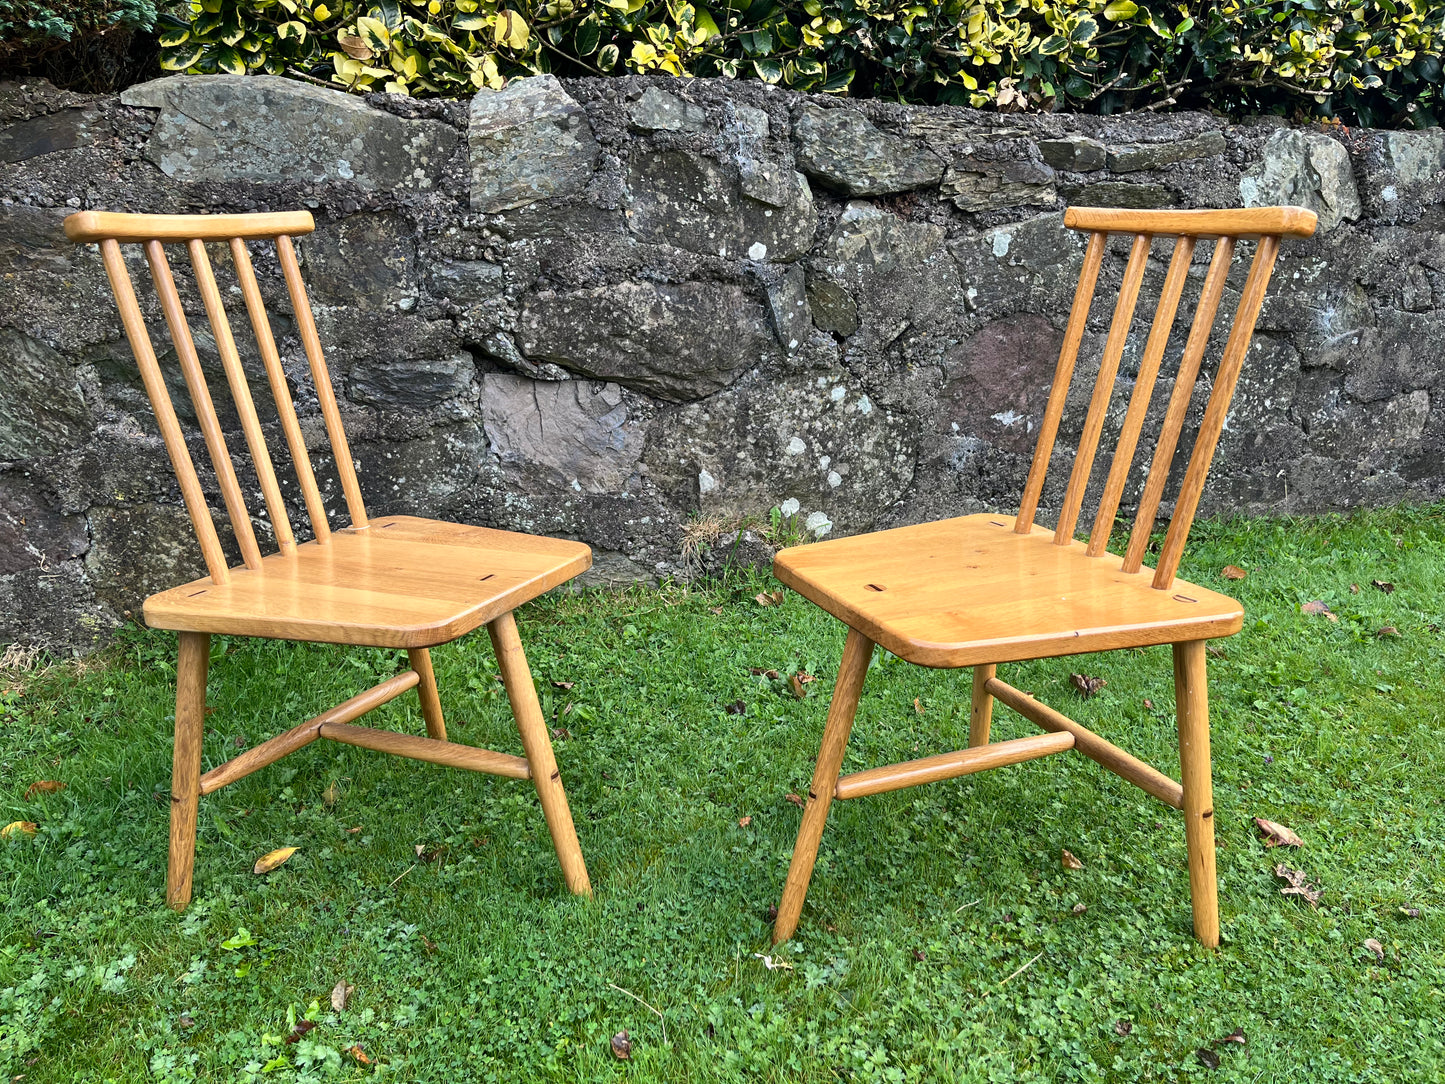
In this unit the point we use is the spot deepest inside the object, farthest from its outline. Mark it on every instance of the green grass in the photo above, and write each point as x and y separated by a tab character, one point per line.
940	941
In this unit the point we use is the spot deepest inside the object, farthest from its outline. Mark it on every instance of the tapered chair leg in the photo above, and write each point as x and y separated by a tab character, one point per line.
857	652
1191	700
426	690
981	715
194	657
537	744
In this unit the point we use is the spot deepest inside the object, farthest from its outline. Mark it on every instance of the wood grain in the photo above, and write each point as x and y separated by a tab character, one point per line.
951	765
1191	702
106	225
980	714
431	702
446	753
1246	222
191	665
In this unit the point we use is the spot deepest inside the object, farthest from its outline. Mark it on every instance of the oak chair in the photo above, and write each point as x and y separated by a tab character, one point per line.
982	590
395	582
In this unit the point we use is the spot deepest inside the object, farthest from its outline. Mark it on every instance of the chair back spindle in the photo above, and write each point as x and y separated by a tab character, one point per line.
153	232
1266	224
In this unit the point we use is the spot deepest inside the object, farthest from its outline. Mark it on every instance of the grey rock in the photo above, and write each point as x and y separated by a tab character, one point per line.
998	380
466	282
269	129
576	433
33	534
1414	157
1141	156
657	110
1078	154
788	307
832	306
975	185
365	261
696	203
674	342
528	142
1306	170
1117	194
62	131
42	410
842	149
412	384
765	167
139	549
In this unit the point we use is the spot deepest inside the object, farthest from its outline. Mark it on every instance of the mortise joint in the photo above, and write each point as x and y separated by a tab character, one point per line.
874	587
1184	598
487	577
1207	814
556	775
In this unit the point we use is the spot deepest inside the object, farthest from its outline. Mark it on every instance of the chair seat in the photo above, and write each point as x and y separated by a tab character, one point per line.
969	592
401	582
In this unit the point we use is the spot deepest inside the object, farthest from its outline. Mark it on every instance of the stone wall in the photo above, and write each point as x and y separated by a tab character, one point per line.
644	313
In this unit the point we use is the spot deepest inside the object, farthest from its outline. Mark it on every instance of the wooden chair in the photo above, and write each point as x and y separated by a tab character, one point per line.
394	582
988	589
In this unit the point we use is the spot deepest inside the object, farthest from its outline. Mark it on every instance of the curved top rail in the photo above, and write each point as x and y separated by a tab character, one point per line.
1245	222
111	226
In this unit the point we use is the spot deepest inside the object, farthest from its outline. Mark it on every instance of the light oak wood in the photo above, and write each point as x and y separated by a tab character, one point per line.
988	589
190	364
280	389
321	378
446	753
537	744
1191	701
1143	392
111	226
155	386
951	765
857	653
1246	222
1103	389
431	701
191	665
397	582
1063	375
1097	749
1178	407
268	752
980	715
241	396
969	591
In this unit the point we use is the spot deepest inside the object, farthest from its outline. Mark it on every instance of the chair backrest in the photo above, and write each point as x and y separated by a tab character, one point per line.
153	232
1226	228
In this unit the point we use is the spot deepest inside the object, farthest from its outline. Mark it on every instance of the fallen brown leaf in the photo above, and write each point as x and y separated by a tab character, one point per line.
1207	1058
622	1045
563	684
1123	1027
743	822
1235	1036
1080	908
359	1054
354	46
1233	572
918	705
1376	948
758	671
796	799
43	786
1410	912
1277	835
1149	704
795	685
1297	884
1317	607
561	733
272	860
716	609
1069	861
428	944
769	598
1389	632
920	955
185	1020
737	707
300	1030
1087	686
353	831
1381	585
1354	589
340	994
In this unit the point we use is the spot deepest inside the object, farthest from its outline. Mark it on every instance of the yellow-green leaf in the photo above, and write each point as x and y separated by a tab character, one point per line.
511	30
272	860
1120	9
17	828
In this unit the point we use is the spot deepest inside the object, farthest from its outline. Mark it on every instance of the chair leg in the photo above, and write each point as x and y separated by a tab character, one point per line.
426	691
537	744
1191	700
857	652
981	716
193	659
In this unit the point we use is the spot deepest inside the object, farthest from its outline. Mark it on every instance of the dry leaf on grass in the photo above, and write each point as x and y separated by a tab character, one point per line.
300	1030
359	1054
1087	686
743	822
563	684
1069	861
1277	835
918	705
1381	585
272	860
1376	948
796	799
1233	572
43	786
622	1045
1235	1036
1410	912
737	707
1297	884
428	944
1354	589
1389	632
769	598
795	686
759	671
340	994
1317	607
15	828
1080	908
331	795
1207	1058
353	831
1123	1027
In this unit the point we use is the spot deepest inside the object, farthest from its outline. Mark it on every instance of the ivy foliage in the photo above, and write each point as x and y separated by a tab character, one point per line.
29	28
1372	62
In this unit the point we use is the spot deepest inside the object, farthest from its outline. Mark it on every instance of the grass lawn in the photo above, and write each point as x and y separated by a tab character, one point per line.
943	939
